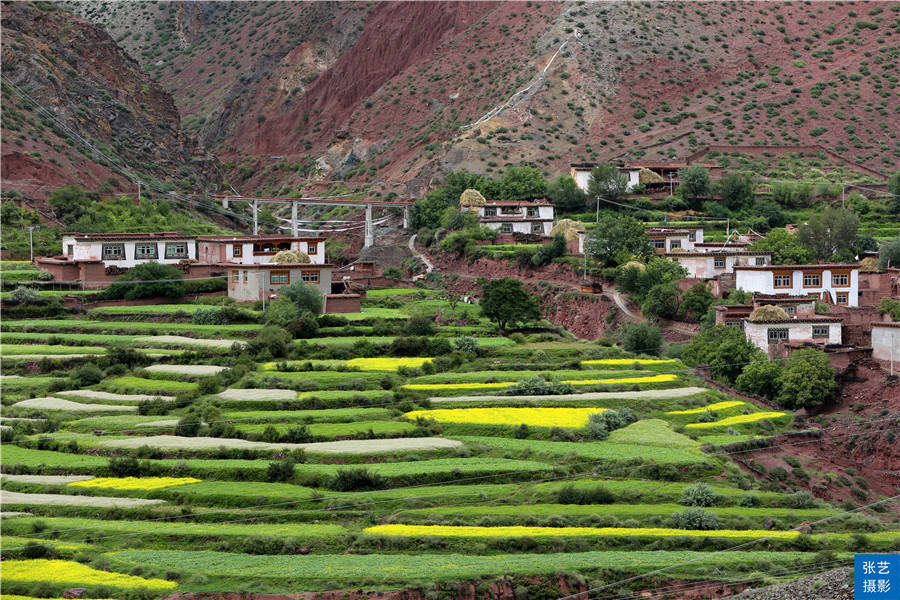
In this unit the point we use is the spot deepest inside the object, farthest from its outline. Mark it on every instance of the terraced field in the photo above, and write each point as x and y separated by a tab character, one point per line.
338	462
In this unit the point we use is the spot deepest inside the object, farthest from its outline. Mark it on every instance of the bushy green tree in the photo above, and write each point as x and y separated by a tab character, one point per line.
807	380
565	195
147	280
661	301
642	338
760	377
770	211
507	302
736	190
606	183
785	248
724	349
637	281
889	254
695	302
694	186
616	239
306	297
69	203
548	252
831	234
522	183
281	311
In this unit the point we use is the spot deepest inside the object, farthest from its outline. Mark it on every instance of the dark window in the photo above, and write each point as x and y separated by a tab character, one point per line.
177	250
506	228
719	263
310	276
279	277
820	331
113	251
778	336
236	250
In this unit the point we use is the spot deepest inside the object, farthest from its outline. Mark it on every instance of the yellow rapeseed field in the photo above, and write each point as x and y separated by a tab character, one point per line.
751	418
629	361
518	531
67	572
703	409
535	417
661	378
134	483
386	364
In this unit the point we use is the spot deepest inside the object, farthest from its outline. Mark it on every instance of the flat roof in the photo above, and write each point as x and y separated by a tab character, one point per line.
533	202
800	267
228	265
890	325
255	238
721	253
673	227
782	298
792	320
155	235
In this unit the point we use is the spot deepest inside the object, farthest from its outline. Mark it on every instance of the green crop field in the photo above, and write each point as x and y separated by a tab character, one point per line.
368	457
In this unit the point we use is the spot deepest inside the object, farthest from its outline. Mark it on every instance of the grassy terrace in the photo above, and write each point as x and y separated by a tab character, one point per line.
338	461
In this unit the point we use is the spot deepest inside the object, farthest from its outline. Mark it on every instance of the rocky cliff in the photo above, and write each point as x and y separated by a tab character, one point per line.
78	109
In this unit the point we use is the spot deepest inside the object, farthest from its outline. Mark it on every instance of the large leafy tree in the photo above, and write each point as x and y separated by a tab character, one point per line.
736	190
661	301
522	183
785	248
606	183
641	338
831	234
889	254
807	380
69	203
507	302
306	297
616	238
724	349
696	302
695	185
760	377
565	194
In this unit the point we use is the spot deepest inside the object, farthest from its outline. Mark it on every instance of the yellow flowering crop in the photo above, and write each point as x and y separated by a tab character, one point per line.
703	409
535	417
518	531
134	483
751	418
629	361
664	377
67	572
386	364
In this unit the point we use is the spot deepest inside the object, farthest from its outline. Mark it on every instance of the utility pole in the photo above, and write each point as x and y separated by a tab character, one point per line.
295	230
671	185
139	190
31	229
598	209
255	217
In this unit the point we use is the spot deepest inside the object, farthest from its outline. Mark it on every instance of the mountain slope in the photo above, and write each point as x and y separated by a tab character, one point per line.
78	109
296	96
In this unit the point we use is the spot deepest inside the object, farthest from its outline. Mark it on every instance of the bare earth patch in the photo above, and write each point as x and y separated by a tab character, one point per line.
195	370
49	403
10	377
339	447
163	423
12	513
180	340
96	395
46	479
16	357
648	394
16	498
258	394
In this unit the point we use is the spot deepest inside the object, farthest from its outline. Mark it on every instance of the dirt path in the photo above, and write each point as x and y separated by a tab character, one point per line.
620	302
412	248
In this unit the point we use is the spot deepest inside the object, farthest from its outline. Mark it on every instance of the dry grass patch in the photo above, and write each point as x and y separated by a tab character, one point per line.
17	498
46	479
180	340
50	403
258	394
97	395
172	442
190	370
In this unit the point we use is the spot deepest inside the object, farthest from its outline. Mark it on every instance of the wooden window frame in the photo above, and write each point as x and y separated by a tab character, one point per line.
716	262
692	236
823	332
237	250
490	211
834	283
655	241
674	244
790	278
532	212
280	274
790	309
777	339
837	298
312	248
185	254
140	256
235	277
759	261
537	228
310	277
818	277
105	248
506	228
246	276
